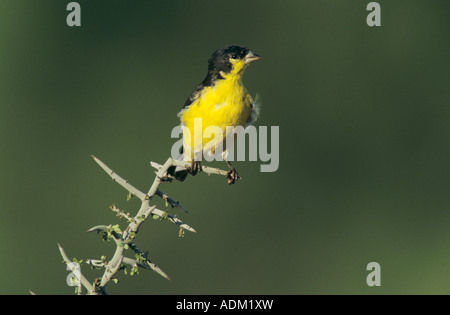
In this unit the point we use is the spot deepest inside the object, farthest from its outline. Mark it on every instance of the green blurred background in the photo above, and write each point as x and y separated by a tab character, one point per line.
364	150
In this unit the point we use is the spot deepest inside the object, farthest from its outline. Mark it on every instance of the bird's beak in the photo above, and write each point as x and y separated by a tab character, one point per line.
250	57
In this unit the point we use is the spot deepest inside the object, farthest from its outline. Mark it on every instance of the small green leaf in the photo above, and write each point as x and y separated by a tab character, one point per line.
116	229
134	271
77	261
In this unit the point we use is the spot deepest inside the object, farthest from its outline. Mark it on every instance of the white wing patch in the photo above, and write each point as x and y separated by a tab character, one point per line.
256	109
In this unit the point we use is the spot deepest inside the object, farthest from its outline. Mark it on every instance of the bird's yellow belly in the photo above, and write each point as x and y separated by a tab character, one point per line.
220	106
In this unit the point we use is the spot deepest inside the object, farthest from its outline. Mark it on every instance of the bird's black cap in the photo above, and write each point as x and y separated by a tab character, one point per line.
220	61
221	57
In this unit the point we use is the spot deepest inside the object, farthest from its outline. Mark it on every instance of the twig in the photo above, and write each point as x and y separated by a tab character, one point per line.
122	182
205	169
125	239
170	200
83	280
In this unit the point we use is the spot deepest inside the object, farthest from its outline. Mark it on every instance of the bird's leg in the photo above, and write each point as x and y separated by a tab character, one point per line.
196	167
232	174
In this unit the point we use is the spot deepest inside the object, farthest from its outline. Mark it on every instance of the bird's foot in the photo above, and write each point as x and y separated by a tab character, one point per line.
196	167
232	176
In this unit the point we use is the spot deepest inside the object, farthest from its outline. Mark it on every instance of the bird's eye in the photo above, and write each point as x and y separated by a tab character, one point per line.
233	56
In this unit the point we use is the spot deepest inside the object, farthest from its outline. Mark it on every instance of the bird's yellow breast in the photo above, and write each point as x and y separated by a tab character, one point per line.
226	103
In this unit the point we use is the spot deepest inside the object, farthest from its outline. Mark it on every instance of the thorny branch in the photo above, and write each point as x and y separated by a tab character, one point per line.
126	239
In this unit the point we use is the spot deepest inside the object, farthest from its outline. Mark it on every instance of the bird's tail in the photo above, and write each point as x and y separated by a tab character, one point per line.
178	172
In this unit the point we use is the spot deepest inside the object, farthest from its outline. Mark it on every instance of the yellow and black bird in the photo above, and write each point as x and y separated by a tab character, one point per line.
219	100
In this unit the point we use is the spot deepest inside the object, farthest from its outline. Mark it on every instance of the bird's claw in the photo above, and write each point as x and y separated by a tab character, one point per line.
196	167
232	176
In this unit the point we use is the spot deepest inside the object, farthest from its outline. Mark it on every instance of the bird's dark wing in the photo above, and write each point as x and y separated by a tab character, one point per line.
210	80
191	99
194	96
